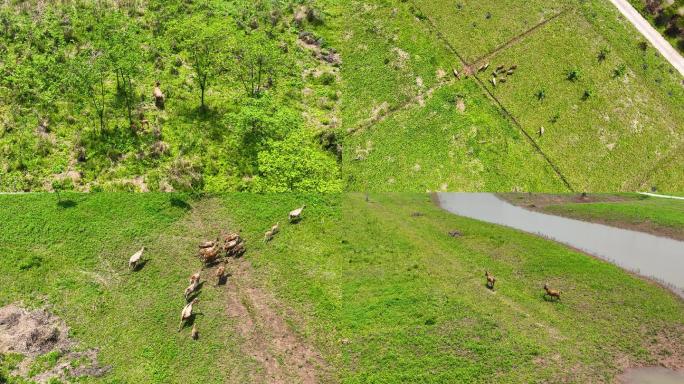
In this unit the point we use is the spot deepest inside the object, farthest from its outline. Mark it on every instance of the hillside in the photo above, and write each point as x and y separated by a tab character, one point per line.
323	96
355	292
551	96
247	104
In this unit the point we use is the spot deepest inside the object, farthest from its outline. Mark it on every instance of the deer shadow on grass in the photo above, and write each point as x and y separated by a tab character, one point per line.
140	265
65	204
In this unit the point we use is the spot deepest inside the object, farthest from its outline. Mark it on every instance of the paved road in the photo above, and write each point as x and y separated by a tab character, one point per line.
662	196
651	34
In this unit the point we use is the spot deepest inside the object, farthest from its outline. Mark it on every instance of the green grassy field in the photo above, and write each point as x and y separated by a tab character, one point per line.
379	294
616	108
439	147
660	216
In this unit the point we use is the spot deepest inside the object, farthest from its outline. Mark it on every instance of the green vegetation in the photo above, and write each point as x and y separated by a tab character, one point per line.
440	147
667	16
241	100
589	98
383	294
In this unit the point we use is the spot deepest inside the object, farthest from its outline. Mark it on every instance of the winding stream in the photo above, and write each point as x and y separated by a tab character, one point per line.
655	257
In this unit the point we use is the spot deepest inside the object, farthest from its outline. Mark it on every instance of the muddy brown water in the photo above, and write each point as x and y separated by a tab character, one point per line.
659	258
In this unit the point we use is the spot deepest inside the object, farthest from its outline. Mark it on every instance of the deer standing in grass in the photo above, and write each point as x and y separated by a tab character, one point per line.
553	293
135	259
490	280
220	274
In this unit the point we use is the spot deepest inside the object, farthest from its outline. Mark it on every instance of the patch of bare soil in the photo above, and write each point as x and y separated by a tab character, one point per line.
284	356
35	333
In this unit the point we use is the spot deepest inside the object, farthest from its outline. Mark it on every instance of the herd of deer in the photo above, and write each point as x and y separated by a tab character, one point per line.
211	253
552	293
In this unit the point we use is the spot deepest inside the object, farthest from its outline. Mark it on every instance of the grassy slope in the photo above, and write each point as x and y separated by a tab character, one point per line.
623	119
384	296
633	117
417	308
456	151
468	29
133	317
35	60
437	147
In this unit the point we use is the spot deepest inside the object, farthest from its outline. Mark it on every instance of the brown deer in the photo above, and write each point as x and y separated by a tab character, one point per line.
159	97
220	274
209	255
490	280
195	277
553	293
186	313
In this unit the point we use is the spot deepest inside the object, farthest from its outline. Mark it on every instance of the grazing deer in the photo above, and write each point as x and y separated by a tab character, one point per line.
228	237
186	313
268	236
490	280
553	293
135	259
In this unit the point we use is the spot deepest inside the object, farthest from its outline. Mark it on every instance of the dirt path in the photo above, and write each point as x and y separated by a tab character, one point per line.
651	34
283	356
260	344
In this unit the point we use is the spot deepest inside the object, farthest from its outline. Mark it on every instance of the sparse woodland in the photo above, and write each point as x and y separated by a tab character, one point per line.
244	107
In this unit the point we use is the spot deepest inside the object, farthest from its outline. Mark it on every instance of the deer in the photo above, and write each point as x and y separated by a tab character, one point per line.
268	236
158	96
553	293
194	284
490	280
220	274
209	255
296	215
228	237
135	259
195	277
208	244
186	313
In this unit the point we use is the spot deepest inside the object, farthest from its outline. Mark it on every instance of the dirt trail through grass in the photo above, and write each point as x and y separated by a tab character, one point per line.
254	314
266	336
